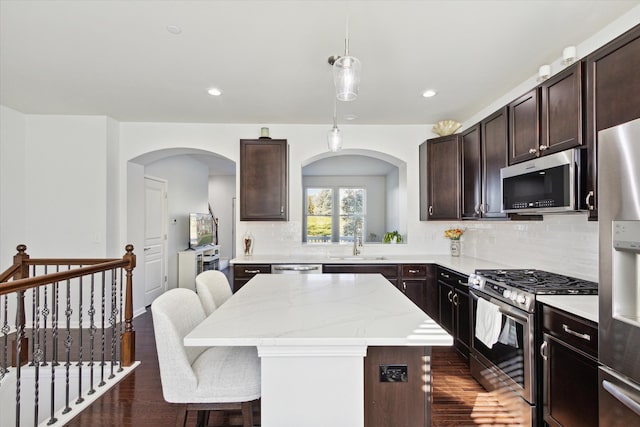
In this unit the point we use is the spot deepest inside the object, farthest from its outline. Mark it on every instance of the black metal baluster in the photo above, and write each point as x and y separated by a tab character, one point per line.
37	356
102	331
121	320
45	315
112	320
54	348
19	337
92	333
67	348
80	399
4	368
33	318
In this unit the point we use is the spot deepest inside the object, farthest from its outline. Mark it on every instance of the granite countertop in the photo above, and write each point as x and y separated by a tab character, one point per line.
461	264
585	306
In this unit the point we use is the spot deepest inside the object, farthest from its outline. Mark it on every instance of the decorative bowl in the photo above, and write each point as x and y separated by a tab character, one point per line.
446	127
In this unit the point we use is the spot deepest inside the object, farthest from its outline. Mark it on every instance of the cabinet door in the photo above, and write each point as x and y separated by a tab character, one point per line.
263	180
613	97
446	307
561	121
570	386
415	290
432	304
444	187
523	127
471	172
494	157
462	322
242	273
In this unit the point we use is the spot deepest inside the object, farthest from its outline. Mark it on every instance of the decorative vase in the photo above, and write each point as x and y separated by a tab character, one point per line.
247	241
455	247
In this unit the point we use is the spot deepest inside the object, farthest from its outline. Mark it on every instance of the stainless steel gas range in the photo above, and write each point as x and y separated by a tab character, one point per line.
503	325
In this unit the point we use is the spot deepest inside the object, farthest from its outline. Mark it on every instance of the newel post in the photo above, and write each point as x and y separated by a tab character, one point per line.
20	349
129	335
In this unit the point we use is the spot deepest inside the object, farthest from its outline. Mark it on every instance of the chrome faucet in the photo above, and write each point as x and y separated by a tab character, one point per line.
357	237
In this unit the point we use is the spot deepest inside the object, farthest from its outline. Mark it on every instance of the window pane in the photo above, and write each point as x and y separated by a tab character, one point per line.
347	227
319	209
352	201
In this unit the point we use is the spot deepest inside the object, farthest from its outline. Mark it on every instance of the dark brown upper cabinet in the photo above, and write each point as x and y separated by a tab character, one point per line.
484	153
561	117
440	178
495	135
264	180
613	97
524	127
548	118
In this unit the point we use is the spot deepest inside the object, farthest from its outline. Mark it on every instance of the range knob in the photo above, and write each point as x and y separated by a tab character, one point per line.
520	299
506	293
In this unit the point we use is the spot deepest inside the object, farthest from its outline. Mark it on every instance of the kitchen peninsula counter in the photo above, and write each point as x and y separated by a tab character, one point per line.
312	333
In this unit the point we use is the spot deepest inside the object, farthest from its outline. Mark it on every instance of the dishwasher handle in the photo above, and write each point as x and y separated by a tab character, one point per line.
296	268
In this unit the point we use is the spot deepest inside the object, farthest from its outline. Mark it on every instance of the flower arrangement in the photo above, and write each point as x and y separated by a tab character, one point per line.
453	233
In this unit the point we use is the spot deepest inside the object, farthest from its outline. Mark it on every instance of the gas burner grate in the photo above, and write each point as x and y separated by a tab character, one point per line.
540	282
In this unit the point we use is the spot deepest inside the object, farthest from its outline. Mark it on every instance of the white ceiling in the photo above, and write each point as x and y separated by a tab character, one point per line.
117	58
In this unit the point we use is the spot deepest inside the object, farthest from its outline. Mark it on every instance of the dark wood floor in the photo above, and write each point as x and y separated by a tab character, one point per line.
458	400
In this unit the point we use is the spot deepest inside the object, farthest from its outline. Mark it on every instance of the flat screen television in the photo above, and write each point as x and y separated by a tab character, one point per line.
200	230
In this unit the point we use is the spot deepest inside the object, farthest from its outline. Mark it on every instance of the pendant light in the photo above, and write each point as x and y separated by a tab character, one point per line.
334	136
346	73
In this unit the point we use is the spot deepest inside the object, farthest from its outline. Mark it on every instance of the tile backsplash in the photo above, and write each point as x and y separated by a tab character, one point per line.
565	244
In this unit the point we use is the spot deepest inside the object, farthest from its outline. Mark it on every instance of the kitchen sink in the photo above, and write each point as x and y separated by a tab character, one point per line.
358	258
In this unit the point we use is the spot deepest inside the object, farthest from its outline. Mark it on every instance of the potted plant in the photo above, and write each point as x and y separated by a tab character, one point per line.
392	237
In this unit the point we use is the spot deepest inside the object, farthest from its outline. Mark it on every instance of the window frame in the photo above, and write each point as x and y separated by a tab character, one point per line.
336	214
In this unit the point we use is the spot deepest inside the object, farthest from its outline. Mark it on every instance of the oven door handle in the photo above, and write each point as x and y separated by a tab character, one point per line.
505	309
621	396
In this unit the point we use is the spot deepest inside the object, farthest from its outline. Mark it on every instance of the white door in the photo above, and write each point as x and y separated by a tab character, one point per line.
155	238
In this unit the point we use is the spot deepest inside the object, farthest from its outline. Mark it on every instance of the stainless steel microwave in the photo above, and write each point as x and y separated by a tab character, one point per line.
548	184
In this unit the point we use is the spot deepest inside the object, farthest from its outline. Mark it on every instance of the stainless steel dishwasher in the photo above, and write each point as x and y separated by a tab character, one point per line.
296	268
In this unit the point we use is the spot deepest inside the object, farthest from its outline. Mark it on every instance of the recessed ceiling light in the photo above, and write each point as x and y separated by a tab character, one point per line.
214	91
429	93
350	117
174	29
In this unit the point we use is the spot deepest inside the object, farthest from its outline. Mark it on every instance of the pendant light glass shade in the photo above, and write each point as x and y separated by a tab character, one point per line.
346	76
334	139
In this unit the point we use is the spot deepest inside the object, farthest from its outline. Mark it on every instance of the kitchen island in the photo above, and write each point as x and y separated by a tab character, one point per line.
312	333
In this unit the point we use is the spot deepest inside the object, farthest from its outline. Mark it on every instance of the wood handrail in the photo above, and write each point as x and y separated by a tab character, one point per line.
9	273
45	279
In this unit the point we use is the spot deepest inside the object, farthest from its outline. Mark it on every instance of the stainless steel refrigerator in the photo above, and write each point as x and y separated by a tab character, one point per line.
619	283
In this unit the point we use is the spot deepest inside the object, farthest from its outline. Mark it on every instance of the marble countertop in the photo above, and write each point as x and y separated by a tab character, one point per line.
461	264
314	309
585	306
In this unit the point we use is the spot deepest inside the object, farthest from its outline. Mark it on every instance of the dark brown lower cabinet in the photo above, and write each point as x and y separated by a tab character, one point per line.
454	308
397	387
389	271
242	273
570	370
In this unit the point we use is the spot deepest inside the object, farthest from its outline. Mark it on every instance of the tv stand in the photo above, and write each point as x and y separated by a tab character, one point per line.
194	261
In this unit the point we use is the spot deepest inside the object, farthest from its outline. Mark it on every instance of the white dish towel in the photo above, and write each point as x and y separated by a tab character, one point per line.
488	322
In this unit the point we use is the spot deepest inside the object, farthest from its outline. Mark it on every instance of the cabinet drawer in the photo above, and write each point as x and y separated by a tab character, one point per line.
452	278
575	331
411	271
390	271
249	270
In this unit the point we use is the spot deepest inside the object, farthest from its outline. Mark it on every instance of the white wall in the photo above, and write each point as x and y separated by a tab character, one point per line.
187	192
13	196
222	194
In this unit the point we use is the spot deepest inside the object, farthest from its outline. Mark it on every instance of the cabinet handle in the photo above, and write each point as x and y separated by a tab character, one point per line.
281	210
404	287
543	147
543	350
414	271
444	275
430	210
532	151
621	396
449	296
460	282
586	337
476	208
252	271
589	197
483	208
455	300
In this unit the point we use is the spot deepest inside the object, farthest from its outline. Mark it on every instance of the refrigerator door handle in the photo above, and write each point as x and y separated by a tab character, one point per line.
621	396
